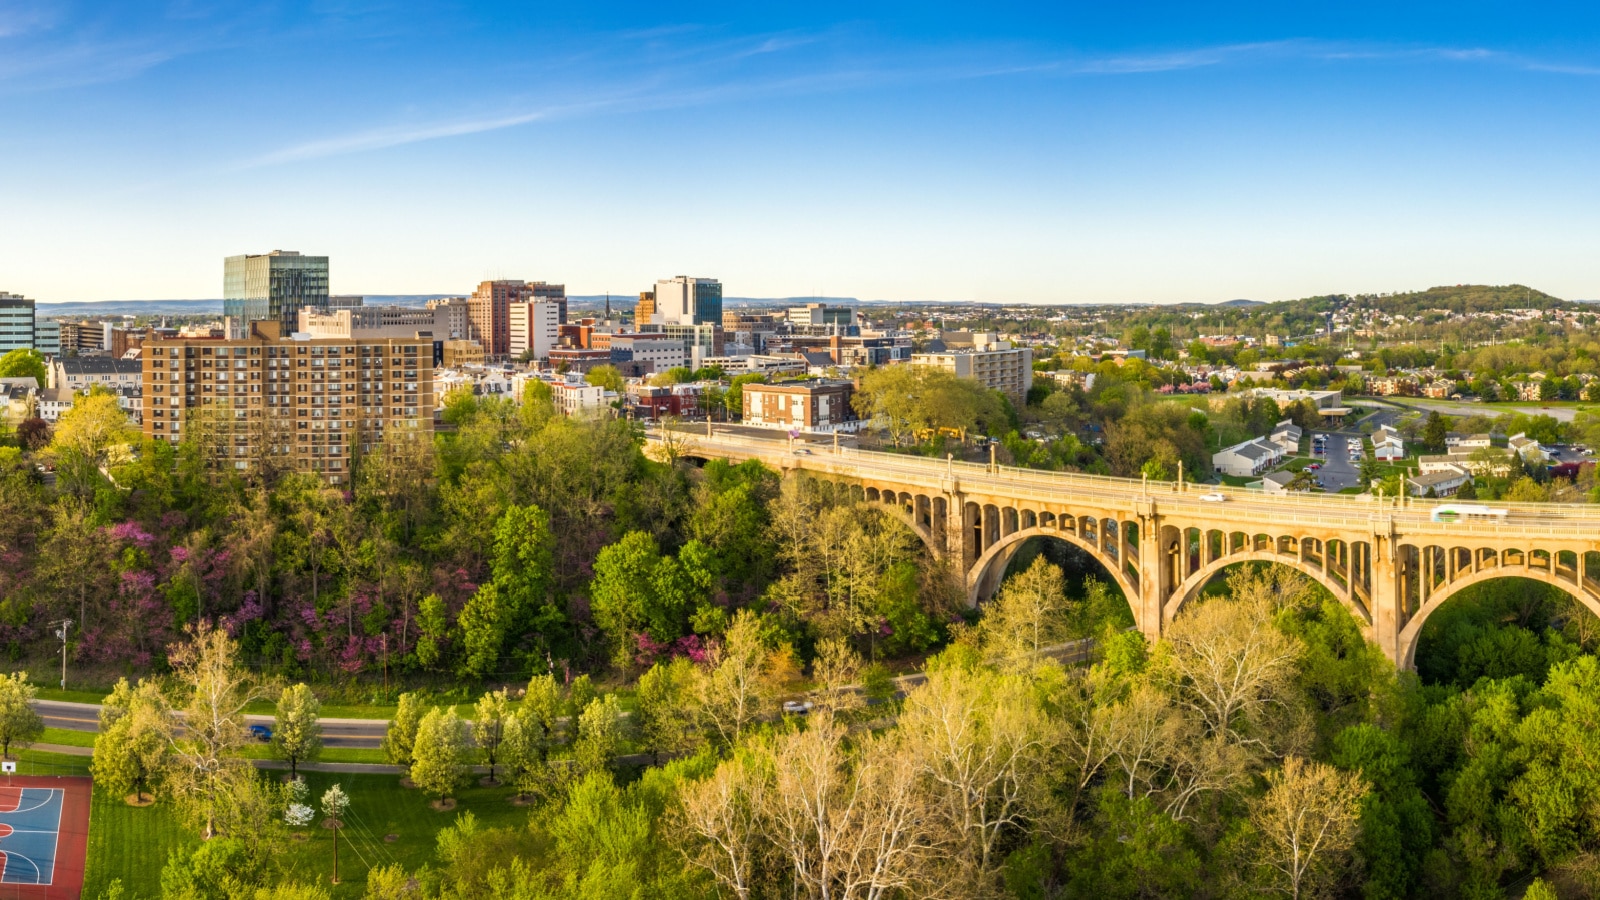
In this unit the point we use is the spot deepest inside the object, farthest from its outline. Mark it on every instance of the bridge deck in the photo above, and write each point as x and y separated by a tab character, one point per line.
1409	516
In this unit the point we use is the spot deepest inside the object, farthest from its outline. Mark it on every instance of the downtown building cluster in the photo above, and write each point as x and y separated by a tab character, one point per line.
294	377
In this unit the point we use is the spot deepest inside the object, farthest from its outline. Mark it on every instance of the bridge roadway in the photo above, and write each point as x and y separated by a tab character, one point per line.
1384	558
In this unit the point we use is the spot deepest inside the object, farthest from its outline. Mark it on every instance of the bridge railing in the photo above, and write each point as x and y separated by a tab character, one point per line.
1555	520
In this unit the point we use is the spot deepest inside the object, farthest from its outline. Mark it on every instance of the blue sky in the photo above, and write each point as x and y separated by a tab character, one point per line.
997	152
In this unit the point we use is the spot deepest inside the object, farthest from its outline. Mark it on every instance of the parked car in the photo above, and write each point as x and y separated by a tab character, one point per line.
796	707
1314	466
261	733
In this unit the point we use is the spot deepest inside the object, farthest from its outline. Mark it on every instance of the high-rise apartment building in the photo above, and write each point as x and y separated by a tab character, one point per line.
689	301
984	358
536	327
272	286
16	322
309	404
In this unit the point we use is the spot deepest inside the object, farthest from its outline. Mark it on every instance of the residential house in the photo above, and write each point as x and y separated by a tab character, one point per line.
1527	448
1442	483
1387	444
1277	482
1286	435
1467	441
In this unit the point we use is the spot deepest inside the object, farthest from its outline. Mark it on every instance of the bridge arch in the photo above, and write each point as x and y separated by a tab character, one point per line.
1411	634
1190	587
984	575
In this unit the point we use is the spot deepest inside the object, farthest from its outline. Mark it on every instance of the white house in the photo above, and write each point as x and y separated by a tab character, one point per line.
1443	483
1251	457
1286	435
1386	444
1467	441
1526	447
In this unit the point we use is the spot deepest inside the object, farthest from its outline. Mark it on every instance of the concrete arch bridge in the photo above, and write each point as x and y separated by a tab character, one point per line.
1388	562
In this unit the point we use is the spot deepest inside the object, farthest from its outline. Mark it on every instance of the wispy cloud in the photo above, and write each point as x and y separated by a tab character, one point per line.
399	135
690	73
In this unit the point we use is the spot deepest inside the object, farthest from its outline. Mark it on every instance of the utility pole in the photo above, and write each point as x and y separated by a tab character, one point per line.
62	632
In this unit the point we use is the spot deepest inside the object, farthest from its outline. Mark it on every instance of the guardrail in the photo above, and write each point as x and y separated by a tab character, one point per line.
1555	520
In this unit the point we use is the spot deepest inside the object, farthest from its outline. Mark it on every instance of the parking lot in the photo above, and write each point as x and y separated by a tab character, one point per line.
1338	470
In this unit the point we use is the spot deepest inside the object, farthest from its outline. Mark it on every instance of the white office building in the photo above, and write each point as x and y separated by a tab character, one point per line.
689	301
535	326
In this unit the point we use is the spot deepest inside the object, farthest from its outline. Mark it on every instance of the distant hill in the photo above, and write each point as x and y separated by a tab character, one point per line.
132	308
1241	303
1464	298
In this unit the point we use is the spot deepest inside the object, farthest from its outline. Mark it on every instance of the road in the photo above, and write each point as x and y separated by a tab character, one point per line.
1451	407
355	734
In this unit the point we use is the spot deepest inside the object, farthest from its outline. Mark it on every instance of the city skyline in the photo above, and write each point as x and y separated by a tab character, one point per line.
1032	155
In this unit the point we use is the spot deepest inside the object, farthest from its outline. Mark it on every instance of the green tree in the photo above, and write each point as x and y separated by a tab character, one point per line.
607	377
489	727
24	363
438	762
599	734
483	624
296	729
400	741
1434	432
433	625
130	752
665	718
20	724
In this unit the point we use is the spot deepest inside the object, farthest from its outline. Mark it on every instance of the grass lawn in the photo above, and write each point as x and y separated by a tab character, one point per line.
68	736
72	696
378	807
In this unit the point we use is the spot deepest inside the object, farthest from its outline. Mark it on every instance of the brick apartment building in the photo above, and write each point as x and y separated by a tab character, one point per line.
317	403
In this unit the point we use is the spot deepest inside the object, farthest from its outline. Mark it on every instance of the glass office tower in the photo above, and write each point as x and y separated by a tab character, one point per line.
16	322
272	286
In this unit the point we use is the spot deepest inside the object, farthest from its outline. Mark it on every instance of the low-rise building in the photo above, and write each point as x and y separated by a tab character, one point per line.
1393	386
1526	447
77	373
1247	458
573	396
803	406
1277	482
1439	389
1287	436
458	353
648	401
1468	441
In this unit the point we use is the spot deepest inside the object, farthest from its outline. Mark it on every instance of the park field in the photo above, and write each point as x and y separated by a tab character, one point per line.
133	844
